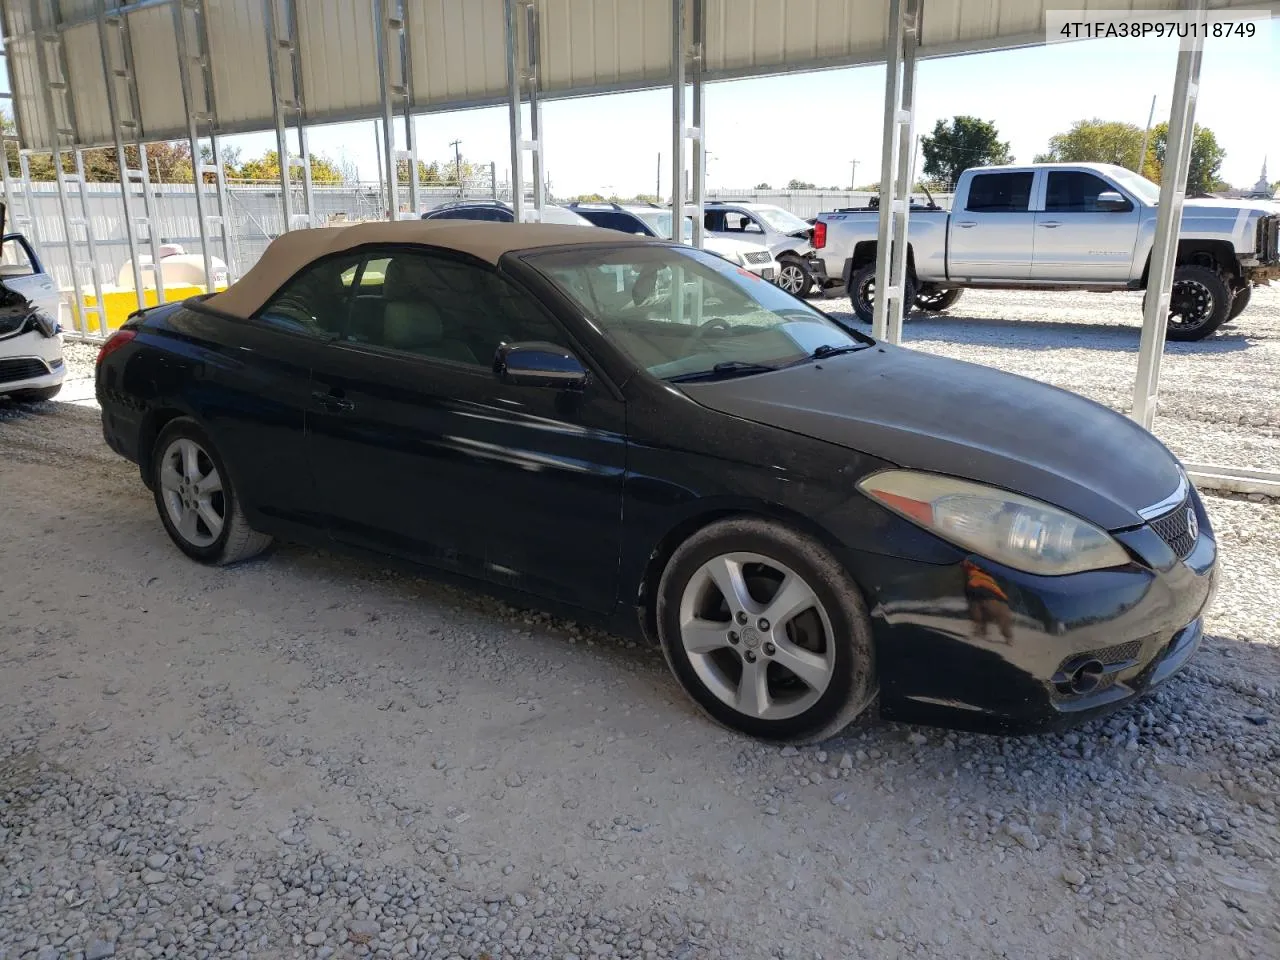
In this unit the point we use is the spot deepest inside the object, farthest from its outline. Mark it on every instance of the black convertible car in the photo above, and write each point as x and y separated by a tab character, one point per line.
636	430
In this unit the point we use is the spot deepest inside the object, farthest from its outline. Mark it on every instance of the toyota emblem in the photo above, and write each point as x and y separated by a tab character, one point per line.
1193	525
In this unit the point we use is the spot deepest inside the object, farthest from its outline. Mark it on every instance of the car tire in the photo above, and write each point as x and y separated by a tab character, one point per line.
196	500
937	299
37	396
862	293
794	277
1240	301
1200	301
739	673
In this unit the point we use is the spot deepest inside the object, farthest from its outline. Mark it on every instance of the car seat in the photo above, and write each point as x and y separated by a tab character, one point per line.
410	320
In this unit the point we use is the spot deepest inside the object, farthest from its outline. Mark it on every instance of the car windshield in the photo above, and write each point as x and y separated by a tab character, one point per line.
660	222
1140	186
784	221
683	313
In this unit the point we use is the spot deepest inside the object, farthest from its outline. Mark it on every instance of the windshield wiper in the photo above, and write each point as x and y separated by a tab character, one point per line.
827	350
723	370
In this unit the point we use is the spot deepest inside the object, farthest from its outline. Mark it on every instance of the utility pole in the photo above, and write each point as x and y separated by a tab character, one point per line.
457	153
853	177
1142	157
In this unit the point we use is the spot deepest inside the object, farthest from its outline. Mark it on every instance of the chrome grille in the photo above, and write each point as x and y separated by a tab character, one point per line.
761	256
13	369
1175	529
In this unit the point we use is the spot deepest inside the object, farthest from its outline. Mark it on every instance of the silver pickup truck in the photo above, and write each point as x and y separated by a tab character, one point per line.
1064	226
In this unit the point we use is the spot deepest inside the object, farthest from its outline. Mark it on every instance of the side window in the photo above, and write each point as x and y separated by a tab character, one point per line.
444	308
1074	191
14	259
1000	192
741	223
316	300
713	220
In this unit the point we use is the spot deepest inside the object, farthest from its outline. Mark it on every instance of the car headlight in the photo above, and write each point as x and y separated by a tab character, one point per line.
1016	531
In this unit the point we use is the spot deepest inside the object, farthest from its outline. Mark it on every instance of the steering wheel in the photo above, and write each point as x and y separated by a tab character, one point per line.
714	325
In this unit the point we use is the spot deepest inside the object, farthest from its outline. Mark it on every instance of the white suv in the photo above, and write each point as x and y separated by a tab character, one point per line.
31	365
787	237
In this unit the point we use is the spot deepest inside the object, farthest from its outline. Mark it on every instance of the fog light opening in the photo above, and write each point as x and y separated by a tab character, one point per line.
1084	677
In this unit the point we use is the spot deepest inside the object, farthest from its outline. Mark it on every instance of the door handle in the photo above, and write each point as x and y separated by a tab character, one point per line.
966	223
1051	223
333	402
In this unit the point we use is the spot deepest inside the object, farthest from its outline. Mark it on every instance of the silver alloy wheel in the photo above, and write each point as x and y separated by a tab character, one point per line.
192	492
791	278
757	636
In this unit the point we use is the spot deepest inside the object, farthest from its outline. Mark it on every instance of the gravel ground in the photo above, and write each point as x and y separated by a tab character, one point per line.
311	757
1219	398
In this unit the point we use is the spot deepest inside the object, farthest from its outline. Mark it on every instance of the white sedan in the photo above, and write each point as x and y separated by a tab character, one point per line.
31	364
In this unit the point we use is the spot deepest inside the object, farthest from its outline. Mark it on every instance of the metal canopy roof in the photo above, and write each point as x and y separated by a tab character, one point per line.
457	48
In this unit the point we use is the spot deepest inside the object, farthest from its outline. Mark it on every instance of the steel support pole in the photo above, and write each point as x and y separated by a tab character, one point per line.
193	137
282	139
90	247
410	137
42	73
113	107
898	307
388	117
299	98
513	108
677	119
1173	189
534	66
698	133
890	280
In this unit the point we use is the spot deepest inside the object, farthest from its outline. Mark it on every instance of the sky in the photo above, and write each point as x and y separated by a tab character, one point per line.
811	126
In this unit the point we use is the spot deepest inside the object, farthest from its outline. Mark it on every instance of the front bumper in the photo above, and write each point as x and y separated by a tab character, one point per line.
764	269
968	660
31	361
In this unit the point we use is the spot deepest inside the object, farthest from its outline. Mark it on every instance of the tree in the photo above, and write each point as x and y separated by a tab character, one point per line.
763	186
1098	141
799	185
964	142
1206	158
267	167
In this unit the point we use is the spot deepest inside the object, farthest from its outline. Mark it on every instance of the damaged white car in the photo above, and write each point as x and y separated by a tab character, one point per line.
31	364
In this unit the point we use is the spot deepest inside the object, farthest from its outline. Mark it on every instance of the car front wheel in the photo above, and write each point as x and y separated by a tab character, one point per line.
1198	303
197	503
766	631
795	278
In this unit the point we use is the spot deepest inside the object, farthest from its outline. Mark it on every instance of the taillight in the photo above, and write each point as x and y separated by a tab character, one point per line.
819	235
115	342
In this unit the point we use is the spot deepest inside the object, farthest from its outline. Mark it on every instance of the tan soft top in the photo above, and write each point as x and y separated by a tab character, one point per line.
290	252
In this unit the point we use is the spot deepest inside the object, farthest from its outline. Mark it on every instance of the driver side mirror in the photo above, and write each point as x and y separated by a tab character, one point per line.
1110	201
538	364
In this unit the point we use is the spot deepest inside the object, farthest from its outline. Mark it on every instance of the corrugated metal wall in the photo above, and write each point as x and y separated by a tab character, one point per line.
458	50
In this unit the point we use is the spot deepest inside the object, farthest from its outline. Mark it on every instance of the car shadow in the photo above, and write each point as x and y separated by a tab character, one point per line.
1043	335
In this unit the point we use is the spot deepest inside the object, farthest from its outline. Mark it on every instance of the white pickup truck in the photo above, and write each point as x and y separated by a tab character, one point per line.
1064	226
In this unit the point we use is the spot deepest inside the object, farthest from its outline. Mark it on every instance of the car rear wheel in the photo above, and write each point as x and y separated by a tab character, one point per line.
197	503
937	299
862	293
795	278
766	632
1239	301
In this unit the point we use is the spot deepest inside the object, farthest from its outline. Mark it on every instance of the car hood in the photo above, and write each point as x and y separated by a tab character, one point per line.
1230	207
946	416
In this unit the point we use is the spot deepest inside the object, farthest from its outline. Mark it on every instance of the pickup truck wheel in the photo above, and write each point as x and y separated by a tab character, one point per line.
1198	303
862	293
938	299
1240	301
794	277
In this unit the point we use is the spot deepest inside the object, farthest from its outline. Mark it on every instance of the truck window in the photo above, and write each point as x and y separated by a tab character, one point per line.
1000	192
1074	191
